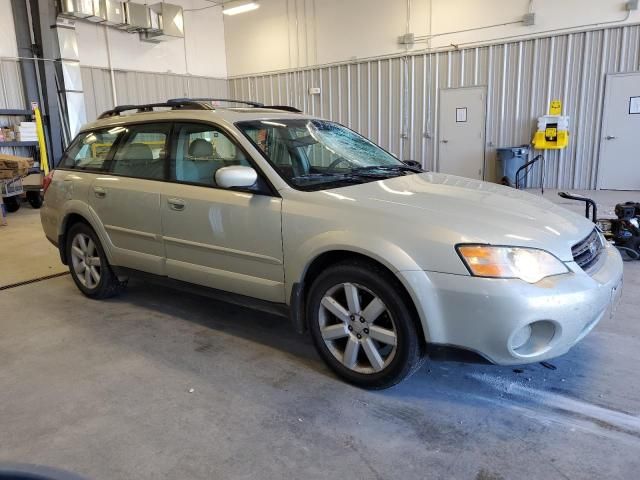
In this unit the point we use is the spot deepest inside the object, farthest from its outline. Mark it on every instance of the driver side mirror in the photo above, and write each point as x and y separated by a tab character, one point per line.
236	176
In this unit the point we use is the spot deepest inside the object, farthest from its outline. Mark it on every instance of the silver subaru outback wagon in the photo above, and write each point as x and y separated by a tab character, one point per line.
381	262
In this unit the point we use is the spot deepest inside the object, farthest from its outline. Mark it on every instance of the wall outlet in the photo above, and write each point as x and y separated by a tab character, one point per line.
632	5
314	90
529	19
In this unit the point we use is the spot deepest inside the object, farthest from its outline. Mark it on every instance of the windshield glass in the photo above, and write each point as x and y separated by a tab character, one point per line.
316	154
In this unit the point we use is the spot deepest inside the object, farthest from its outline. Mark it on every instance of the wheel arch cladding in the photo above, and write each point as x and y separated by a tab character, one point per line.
69	221
334	257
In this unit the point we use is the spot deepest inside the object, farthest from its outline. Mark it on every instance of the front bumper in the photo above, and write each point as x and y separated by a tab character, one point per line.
487	315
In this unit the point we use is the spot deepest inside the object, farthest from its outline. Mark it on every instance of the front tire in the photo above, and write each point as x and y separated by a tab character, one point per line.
88	263
362	326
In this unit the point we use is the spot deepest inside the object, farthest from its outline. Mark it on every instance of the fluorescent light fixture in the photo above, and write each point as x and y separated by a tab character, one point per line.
241	8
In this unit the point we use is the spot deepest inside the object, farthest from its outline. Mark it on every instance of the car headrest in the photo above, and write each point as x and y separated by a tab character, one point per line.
139	152
200	148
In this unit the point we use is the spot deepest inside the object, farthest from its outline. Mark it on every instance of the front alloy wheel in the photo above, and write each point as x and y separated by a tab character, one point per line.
363	340
363	325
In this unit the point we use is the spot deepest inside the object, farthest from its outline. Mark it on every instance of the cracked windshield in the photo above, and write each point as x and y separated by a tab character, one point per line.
315	154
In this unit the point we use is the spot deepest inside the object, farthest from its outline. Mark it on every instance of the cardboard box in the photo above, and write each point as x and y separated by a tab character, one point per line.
14	166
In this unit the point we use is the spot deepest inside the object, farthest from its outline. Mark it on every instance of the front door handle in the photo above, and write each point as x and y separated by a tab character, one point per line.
610	137
444	141
176	204
99	192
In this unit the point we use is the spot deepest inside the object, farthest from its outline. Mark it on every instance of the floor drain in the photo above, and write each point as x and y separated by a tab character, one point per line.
34	280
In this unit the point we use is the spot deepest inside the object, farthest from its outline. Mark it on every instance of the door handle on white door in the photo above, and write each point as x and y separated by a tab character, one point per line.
610	137
444	141
176	204
99	192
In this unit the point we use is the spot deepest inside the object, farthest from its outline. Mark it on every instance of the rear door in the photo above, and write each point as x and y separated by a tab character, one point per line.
127	198
230	240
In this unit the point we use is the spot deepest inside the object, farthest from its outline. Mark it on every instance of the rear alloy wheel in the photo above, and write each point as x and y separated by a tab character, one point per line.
88	263
362	326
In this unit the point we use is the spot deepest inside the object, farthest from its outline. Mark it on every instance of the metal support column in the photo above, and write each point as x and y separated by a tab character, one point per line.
43	17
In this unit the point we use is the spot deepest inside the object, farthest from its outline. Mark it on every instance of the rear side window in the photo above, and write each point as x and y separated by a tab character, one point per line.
142	152
90	150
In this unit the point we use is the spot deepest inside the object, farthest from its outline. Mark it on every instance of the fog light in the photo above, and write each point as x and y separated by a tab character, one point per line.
533	339
521	337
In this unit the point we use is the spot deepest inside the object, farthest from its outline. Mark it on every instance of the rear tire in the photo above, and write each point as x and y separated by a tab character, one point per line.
362	326
88	263
12	203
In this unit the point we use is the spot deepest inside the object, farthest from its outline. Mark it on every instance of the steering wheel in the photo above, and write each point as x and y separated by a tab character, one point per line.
335	163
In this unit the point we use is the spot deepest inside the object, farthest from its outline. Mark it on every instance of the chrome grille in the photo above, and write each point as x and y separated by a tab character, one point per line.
587	252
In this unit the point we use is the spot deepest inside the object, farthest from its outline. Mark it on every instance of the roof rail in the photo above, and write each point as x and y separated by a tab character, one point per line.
285	108
229	100
176	104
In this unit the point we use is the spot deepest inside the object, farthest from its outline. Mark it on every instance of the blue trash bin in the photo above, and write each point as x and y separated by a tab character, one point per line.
509	160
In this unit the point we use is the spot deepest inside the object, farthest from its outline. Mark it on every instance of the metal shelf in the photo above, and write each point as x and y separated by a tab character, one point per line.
19	144
16	112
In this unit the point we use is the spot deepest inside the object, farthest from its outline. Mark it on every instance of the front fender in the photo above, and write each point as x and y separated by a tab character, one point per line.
398	261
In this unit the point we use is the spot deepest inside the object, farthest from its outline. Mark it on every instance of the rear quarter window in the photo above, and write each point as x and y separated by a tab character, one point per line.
89	151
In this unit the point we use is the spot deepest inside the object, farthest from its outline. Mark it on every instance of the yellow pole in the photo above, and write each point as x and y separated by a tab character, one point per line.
44	162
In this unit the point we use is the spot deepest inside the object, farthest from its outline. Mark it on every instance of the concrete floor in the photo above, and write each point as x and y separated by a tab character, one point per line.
25	253
104	389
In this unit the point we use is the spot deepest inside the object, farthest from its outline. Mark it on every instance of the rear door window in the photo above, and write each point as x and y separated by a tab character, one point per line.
142	152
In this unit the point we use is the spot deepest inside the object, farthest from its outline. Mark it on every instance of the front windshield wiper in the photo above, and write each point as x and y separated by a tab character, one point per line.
396	168
332	177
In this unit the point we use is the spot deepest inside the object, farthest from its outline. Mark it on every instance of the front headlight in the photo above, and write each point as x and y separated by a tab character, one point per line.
528	264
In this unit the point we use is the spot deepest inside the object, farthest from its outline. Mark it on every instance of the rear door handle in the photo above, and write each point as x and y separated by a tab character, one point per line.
176	204
99	192
610	137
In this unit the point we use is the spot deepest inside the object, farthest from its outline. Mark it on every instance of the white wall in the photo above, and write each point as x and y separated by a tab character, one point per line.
8	46
201	52
285	34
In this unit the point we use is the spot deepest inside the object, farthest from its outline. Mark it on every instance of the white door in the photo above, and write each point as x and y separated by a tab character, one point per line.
619	167
461	131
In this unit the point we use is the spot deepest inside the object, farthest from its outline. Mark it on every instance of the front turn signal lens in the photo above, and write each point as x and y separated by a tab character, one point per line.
528	264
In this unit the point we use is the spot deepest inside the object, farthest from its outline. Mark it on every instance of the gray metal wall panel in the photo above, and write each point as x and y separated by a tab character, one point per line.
143	87
521	79
11	94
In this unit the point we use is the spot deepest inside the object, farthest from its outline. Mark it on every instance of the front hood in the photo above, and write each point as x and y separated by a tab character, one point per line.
471	211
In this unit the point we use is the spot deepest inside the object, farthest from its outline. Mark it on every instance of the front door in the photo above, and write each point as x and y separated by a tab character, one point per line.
225	239
126	198
461	132
620	142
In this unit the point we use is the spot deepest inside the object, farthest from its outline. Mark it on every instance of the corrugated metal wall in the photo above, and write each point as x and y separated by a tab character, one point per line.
143	87
394	101
11	95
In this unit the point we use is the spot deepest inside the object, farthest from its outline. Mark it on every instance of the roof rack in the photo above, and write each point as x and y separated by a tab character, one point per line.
228	100
176	104
189	104
285	108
